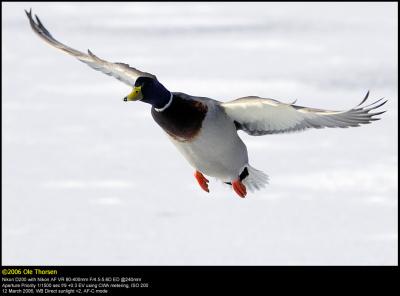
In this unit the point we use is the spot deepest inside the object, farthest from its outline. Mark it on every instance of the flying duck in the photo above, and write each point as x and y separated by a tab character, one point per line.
205	131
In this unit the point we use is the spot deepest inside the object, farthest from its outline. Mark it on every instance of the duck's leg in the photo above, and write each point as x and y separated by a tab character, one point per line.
239	188
202	181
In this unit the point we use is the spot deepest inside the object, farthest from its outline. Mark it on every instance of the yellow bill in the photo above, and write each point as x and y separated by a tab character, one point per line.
135	95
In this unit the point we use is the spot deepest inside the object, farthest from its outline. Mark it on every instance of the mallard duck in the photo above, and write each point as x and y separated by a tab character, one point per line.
205	131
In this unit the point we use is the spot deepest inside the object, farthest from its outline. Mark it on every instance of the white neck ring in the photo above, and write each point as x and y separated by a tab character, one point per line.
166	105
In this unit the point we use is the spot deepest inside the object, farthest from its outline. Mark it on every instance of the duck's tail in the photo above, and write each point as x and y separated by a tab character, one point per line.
255	180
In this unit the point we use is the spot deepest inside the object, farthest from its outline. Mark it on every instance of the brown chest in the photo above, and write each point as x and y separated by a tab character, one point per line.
183	119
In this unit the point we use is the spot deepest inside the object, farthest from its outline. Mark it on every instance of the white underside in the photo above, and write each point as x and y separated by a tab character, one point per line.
217	150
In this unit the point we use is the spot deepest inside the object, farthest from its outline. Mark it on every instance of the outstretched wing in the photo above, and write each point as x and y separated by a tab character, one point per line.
121	71
257	116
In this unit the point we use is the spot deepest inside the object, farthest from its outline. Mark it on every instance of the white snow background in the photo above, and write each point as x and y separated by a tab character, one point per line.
91	180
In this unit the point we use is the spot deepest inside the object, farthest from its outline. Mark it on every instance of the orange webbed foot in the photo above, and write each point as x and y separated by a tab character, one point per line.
202	181
239	188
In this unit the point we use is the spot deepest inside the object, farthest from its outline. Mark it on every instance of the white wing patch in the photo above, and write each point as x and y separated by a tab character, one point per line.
120	71
258	116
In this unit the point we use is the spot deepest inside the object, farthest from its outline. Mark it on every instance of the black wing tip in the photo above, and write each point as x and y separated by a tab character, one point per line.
40	23
365	98
371	116
367	95
31	20
37	25
30	17
377	106
372	106
378	113
28	13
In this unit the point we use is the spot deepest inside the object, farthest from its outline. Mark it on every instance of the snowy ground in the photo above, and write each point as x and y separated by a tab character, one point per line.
89	179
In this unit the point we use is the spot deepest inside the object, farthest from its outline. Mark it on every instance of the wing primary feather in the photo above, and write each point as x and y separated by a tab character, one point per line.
377	113
375	107
373	103
365	98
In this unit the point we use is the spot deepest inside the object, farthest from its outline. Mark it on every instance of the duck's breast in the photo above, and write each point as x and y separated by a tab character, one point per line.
209	142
